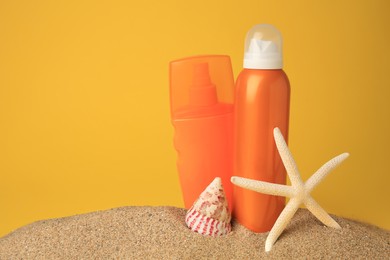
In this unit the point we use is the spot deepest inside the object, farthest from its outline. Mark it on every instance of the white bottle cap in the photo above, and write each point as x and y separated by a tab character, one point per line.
263	48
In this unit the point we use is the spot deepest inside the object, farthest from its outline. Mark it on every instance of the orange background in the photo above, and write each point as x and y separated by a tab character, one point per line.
84	102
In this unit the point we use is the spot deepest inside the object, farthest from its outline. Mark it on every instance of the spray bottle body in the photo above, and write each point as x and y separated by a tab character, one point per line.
204	148
262	103
202	113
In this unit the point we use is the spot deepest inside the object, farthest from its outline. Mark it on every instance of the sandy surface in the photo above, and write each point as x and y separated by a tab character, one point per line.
160	233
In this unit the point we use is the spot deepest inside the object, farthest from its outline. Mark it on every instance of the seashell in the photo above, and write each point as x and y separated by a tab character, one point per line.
210	215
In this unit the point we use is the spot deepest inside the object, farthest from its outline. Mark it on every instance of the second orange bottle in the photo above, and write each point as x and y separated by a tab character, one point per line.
262	103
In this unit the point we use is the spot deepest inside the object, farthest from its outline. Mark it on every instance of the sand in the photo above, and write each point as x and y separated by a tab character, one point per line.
160	233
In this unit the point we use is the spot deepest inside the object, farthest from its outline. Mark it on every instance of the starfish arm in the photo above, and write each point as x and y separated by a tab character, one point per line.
322	172
320	213
263	187
287	158
281	223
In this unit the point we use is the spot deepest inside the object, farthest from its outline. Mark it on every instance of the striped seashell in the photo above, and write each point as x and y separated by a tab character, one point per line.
210	214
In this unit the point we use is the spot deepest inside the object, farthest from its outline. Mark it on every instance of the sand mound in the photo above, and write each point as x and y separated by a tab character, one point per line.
160	232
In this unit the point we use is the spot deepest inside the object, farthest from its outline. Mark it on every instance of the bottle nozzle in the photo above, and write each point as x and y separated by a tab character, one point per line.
202	92
201	75
263	48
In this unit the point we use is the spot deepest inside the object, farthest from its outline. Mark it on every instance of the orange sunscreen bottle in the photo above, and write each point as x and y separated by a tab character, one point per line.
202	112
261	104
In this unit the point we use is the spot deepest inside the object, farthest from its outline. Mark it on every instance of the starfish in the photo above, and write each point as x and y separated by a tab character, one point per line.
298	193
